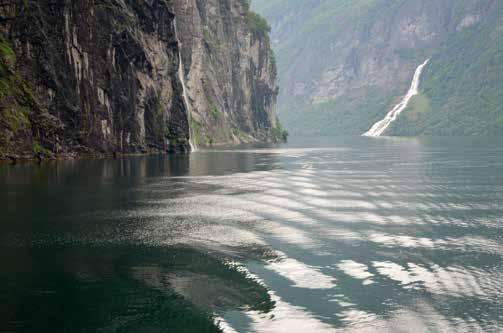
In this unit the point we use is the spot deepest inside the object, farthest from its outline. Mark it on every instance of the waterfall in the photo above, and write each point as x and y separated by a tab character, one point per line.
381	126
181	76
185	101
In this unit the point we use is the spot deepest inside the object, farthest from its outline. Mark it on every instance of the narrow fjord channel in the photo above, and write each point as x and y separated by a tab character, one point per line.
318	235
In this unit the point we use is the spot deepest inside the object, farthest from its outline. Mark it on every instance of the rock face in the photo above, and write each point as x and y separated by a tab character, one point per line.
344	64
132	76
229	71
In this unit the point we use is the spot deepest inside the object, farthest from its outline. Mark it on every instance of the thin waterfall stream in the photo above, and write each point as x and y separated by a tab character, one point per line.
181	76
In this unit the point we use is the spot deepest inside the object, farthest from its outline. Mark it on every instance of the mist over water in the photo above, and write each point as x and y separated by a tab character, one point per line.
363	234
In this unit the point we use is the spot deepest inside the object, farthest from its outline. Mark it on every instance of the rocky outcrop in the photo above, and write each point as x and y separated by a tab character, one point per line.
127	76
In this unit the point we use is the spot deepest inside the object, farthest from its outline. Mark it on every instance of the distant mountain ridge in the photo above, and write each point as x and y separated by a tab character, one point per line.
344	64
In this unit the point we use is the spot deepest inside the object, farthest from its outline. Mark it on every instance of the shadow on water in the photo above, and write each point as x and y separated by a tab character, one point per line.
125	289
359	234
70	265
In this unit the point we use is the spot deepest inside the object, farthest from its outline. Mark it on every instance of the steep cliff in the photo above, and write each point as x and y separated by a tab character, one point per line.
130	76
344	64
229	71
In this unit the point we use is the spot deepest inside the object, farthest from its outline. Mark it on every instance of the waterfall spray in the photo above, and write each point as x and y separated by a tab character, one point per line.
381	126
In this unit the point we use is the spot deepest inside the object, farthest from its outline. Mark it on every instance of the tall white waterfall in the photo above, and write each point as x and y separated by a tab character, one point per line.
381	126
181	76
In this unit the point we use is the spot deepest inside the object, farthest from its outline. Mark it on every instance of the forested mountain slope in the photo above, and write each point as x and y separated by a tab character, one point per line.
344	64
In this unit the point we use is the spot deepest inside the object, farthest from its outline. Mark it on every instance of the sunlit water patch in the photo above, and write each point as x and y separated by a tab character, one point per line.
346	234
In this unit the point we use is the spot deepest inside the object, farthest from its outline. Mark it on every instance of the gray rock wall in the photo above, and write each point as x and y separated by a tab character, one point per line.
132	76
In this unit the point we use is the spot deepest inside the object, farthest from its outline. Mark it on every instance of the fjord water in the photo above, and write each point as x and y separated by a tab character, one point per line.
347	234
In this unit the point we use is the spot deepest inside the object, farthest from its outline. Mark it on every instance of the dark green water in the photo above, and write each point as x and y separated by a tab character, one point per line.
318	235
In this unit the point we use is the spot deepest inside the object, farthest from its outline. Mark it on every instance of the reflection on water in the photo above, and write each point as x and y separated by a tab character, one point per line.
301	275
346	234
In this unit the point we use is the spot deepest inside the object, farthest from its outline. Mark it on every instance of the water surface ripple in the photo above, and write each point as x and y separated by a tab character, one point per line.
368	235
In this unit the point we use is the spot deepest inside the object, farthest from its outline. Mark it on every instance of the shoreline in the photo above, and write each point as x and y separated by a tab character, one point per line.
13	159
